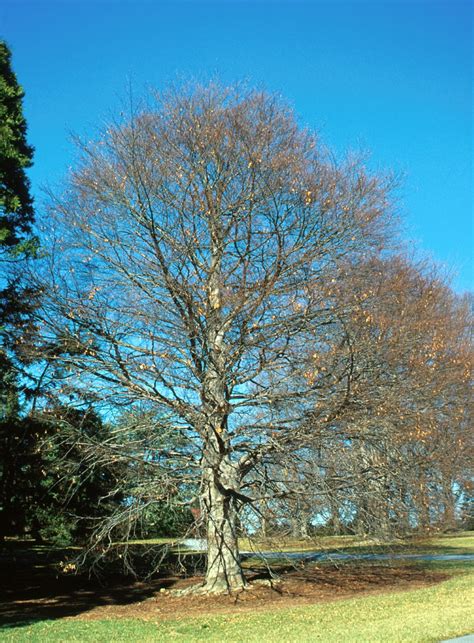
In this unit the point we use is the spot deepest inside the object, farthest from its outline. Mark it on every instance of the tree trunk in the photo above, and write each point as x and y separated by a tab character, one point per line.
449	504
424	504
335	520
264	522
402	511
299	523
224	571
221	481
263	527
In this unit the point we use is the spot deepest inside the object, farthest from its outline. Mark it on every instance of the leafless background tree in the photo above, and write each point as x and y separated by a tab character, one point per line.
395	438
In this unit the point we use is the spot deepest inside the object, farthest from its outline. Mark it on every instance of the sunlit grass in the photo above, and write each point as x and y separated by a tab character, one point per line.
457	543
463	540
152	541
444	544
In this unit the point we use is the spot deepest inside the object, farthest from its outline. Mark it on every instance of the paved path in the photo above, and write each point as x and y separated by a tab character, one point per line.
469	638
315	555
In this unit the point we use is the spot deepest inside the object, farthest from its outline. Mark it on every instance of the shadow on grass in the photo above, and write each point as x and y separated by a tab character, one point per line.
32	588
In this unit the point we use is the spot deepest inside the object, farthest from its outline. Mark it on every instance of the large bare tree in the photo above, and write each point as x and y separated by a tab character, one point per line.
187	251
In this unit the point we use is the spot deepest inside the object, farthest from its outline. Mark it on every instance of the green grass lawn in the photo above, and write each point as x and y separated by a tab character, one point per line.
457	543
429	614
462	542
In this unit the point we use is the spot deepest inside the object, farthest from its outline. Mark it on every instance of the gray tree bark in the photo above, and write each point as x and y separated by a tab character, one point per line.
220	474
224	571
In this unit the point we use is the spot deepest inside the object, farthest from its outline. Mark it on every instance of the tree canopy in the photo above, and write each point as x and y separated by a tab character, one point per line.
218	278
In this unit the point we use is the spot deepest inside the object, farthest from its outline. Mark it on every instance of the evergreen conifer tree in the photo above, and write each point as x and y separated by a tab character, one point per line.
16	204
16	242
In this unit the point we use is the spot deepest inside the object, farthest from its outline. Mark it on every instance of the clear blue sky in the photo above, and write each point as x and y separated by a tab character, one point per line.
393	77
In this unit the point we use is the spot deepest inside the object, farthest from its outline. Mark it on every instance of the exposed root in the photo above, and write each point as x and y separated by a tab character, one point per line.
202	589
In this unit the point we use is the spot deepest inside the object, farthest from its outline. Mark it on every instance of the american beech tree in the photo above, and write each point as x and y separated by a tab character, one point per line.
188	248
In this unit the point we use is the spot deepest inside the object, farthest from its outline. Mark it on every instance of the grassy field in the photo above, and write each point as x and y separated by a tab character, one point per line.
446	543
429	613
462	542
